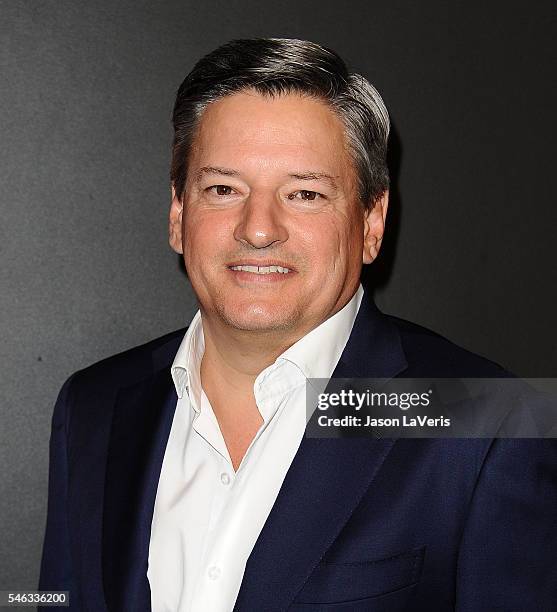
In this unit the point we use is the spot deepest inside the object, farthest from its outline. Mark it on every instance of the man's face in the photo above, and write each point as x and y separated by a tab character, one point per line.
272	232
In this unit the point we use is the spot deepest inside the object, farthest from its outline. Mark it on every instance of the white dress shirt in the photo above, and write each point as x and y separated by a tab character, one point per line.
207	517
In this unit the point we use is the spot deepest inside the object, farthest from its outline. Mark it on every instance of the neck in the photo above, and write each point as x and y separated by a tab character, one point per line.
240	356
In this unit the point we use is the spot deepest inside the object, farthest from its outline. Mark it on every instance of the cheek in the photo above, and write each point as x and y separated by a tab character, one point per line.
322	242
206	236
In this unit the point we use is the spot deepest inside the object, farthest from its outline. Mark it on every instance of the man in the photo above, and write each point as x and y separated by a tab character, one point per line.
180	475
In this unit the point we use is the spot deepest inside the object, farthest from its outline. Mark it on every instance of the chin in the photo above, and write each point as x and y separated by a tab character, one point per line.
257	318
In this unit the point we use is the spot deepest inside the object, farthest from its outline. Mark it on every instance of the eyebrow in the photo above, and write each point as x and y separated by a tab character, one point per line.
301	176
315	176
214	170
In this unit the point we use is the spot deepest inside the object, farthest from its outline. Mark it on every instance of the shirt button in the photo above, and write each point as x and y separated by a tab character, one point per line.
214	573
225	478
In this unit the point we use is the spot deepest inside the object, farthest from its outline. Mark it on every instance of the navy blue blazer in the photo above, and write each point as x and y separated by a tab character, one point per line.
375	525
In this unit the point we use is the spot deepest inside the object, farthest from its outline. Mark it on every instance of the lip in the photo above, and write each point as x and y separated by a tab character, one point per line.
261	263
252	278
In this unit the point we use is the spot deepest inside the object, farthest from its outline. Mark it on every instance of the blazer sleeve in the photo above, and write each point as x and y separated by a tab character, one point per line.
57	570
507	559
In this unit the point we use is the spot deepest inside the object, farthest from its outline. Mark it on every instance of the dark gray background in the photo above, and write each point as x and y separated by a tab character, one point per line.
87	91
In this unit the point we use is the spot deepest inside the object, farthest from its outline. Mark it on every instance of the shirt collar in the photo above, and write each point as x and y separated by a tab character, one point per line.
185	368
315	355
319	351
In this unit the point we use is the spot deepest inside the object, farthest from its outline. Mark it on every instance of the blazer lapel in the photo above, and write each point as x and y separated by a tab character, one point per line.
141	424
325	482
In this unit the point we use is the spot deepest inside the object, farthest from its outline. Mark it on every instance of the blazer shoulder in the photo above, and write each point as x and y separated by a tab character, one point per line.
431	354
131	365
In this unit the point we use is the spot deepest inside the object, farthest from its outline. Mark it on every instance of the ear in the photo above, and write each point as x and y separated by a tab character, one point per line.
374	227
175	223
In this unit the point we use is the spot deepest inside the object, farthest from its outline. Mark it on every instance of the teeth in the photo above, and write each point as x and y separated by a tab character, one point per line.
261	269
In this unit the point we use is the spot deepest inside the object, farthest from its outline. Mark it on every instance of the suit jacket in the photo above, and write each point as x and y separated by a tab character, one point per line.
375	525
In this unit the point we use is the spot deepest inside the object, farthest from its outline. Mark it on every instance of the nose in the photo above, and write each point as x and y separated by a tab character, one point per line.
260	224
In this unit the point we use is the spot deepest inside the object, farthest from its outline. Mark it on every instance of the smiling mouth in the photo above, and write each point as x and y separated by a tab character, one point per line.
261	269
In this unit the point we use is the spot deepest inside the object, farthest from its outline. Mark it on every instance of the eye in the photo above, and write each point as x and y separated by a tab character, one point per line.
305	195
221	190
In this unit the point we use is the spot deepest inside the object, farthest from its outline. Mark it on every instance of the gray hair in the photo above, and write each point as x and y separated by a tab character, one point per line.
278	66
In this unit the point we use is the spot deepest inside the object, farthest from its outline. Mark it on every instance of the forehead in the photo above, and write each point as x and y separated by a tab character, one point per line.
288	129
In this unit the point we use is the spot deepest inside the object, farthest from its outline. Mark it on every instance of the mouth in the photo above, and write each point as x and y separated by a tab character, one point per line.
260	271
